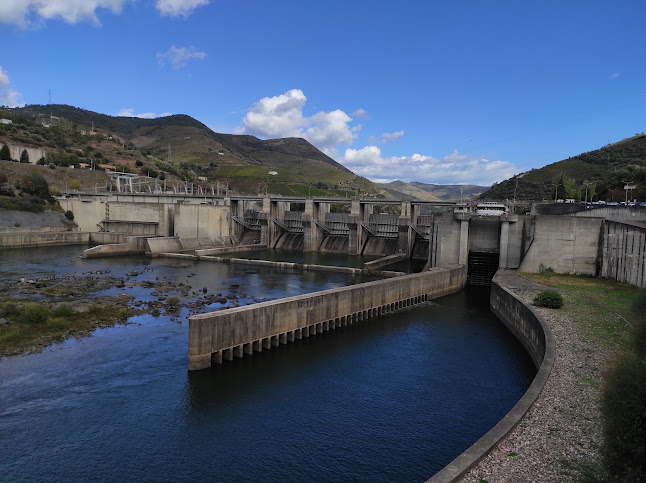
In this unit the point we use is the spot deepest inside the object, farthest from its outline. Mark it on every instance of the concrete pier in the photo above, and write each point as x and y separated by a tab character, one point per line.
215	336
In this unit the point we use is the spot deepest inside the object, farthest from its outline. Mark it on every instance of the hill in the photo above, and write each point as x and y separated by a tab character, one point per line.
603	171
180	148
432	192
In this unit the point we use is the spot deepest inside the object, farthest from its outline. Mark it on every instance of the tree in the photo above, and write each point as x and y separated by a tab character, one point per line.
5	154
24	156
39	184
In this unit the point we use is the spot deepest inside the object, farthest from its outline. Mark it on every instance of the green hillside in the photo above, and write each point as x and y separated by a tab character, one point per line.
604	171
245	164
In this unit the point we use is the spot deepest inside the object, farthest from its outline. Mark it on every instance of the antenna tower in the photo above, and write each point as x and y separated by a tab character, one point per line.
50	96
170	159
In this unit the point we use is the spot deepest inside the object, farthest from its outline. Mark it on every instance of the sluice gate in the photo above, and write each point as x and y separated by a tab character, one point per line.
224	335
482	267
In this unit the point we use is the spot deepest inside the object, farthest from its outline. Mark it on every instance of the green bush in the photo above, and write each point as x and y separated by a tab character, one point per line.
173	303
69	215
63	310
8	309
545	270
58	323
549	298
34	313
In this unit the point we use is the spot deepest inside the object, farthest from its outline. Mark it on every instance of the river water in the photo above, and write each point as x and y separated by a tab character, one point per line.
392	399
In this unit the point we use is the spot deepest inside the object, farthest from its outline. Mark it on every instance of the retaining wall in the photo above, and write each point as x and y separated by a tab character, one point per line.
223	335
568	244
537	338
42	239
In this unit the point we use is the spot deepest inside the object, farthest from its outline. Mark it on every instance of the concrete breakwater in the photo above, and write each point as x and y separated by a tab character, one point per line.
537	339
218	336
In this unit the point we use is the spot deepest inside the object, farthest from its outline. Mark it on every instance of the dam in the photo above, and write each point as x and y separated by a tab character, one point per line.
576	243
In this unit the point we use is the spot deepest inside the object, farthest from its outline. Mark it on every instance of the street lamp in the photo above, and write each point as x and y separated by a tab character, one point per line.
586	193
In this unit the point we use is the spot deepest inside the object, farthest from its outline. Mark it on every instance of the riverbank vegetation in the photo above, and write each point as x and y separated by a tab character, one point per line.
32	325
611	315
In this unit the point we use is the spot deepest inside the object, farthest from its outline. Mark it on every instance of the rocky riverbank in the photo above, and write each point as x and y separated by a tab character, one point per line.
95	305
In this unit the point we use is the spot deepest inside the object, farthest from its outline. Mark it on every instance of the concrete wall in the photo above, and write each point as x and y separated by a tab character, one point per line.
567	244
133	245
484	234
446	246
623	253
87	214
537	338
618	213
42	239
201	221
149	212
34	153
243	330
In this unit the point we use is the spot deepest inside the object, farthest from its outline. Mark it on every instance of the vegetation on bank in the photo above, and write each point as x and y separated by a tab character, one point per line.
30	325
613	315
30	193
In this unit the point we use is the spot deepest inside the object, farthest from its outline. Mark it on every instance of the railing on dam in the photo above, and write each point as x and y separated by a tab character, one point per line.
218	336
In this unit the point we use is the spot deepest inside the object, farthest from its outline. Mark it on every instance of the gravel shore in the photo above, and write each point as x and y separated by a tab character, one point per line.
563	427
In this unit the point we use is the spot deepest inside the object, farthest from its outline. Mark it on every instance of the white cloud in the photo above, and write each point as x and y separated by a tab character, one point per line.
179	8
360	114
387	137
130	112
178	57
282	116
278	116
454	168
8	97
615	75
25	13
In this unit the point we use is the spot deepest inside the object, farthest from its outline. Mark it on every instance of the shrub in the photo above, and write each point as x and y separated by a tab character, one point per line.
173	303
69	215
139	163
63	310
549	298
58	323
8	309
34	313
545	270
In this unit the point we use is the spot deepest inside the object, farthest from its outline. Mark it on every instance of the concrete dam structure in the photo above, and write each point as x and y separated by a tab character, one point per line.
599	242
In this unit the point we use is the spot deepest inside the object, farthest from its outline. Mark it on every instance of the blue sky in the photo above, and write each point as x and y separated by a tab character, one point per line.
432	91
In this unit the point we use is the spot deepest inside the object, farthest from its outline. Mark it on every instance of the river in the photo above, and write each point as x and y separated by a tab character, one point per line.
392	399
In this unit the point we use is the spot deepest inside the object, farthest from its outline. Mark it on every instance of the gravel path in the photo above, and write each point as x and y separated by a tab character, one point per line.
563	427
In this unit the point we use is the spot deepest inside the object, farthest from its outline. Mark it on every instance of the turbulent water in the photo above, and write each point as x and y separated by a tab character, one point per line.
393	399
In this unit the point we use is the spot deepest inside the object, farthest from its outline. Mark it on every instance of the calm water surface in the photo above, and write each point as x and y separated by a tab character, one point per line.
394	399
